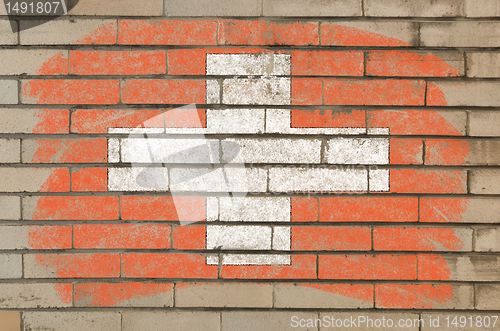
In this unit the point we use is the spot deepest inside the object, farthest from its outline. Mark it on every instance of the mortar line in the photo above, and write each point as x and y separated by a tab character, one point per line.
174	295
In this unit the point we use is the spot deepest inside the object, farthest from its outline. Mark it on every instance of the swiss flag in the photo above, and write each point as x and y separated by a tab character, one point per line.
285	165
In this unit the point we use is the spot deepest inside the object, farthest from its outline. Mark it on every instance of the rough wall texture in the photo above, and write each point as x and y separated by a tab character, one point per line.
340	166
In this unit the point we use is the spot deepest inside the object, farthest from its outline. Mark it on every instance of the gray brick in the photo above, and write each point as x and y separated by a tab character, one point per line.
466	93
157	294
11	266
72	321
484	123
43	266
10	207
473	210
457	119
13	237
460	34
366	321
21	61
485	181
303	296
482	8
479	152
264	321
484	152
478	268
39	295
15	120
10	150
312	8
413	8
247	91
10	320
23	179
117	8
447	324
29	207
317	179
9	92
171	321
7	37
453	59
224	295
487	297
58	32
213	7
485	65
459	297
487	239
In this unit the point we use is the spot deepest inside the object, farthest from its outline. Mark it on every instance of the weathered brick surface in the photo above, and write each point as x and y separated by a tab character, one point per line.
16	120
99	92
167	32
422	239
213	8
469	321
6	35
415	64
424	296
478	94
176	321
9	92
10	320
34	180
312	8
22	237
10	149
461	268
129	294
485	65
60	32
402	267
117	8
368	321
31	295
313	119
117	63
485	181
418	8
482	8
64	151
264	321
487	240
72	321
11	266
385	33
223	295
459	34
323	296
483	123
100	265
31	62
447	152
70	208
487	297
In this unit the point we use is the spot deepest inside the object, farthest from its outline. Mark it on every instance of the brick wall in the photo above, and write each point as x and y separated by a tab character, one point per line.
341	161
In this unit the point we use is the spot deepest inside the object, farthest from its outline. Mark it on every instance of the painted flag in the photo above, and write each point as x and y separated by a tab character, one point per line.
234	160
